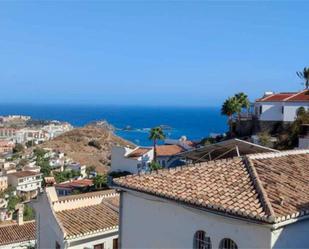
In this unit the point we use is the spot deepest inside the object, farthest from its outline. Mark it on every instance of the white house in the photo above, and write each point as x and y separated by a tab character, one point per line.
77	222
27	183
138	159
130	160
280	106
78	168
255	201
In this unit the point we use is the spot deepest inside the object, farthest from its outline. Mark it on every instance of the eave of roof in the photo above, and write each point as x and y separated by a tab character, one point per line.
268	217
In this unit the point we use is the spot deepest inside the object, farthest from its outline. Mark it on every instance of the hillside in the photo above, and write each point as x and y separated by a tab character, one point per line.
75	144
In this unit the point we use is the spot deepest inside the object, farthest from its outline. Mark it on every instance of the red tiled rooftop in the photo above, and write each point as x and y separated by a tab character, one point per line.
138	153
76	183
271	187
289	97
168	150
90	219
25	173
15	233
302	96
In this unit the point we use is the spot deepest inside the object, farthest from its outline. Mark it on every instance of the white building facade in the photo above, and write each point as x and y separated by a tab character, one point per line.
124	159
77	222
27	183
281	107
137	160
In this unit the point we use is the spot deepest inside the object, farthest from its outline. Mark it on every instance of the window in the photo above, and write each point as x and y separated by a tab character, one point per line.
115	243
261	109
201	241
228	244
282	110
99	246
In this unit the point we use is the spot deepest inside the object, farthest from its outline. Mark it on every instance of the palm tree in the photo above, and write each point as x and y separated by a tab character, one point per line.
229	108
304	75
243	101
156	134
99	181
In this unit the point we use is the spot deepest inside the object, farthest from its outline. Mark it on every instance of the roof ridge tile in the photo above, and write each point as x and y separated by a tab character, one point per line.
262	195
278	154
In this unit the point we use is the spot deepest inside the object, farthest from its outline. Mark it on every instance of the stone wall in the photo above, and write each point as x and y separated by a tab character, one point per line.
251	127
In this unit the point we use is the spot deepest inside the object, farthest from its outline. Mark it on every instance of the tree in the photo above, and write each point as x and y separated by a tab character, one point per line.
304	75
156	134
295	129
45	166
29	213
18	148
22	163
300	111
243	101
30	143
229	108
155	166
100	181
39	153
90	169
265	139
95	143
12	202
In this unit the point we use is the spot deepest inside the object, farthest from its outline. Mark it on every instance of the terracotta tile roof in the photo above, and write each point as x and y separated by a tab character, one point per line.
26	173
138	152
302	96
224	185
15	233
87	195
259	187
285	181
168	150
90	219
75	183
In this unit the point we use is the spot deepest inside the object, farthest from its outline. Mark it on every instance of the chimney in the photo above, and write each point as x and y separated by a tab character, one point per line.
266	94
20	214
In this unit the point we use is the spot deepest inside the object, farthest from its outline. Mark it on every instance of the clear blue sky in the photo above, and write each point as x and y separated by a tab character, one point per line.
147	52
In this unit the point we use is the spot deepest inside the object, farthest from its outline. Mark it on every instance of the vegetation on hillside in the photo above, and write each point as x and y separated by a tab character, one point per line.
90	145
289	138
65	175
42	161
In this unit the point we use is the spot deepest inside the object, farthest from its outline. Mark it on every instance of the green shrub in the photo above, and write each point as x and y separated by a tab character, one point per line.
155	166
95	143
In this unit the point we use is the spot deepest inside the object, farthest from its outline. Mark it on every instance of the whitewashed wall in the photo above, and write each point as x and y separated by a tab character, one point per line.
295	235
290	110
91	241
150	222
271	111
119	161
48	230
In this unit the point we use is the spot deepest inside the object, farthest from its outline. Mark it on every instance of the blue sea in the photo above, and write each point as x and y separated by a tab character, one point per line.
193	122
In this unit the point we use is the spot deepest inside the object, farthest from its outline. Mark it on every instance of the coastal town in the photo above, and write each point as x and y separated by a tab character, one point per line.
157	124
246	188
